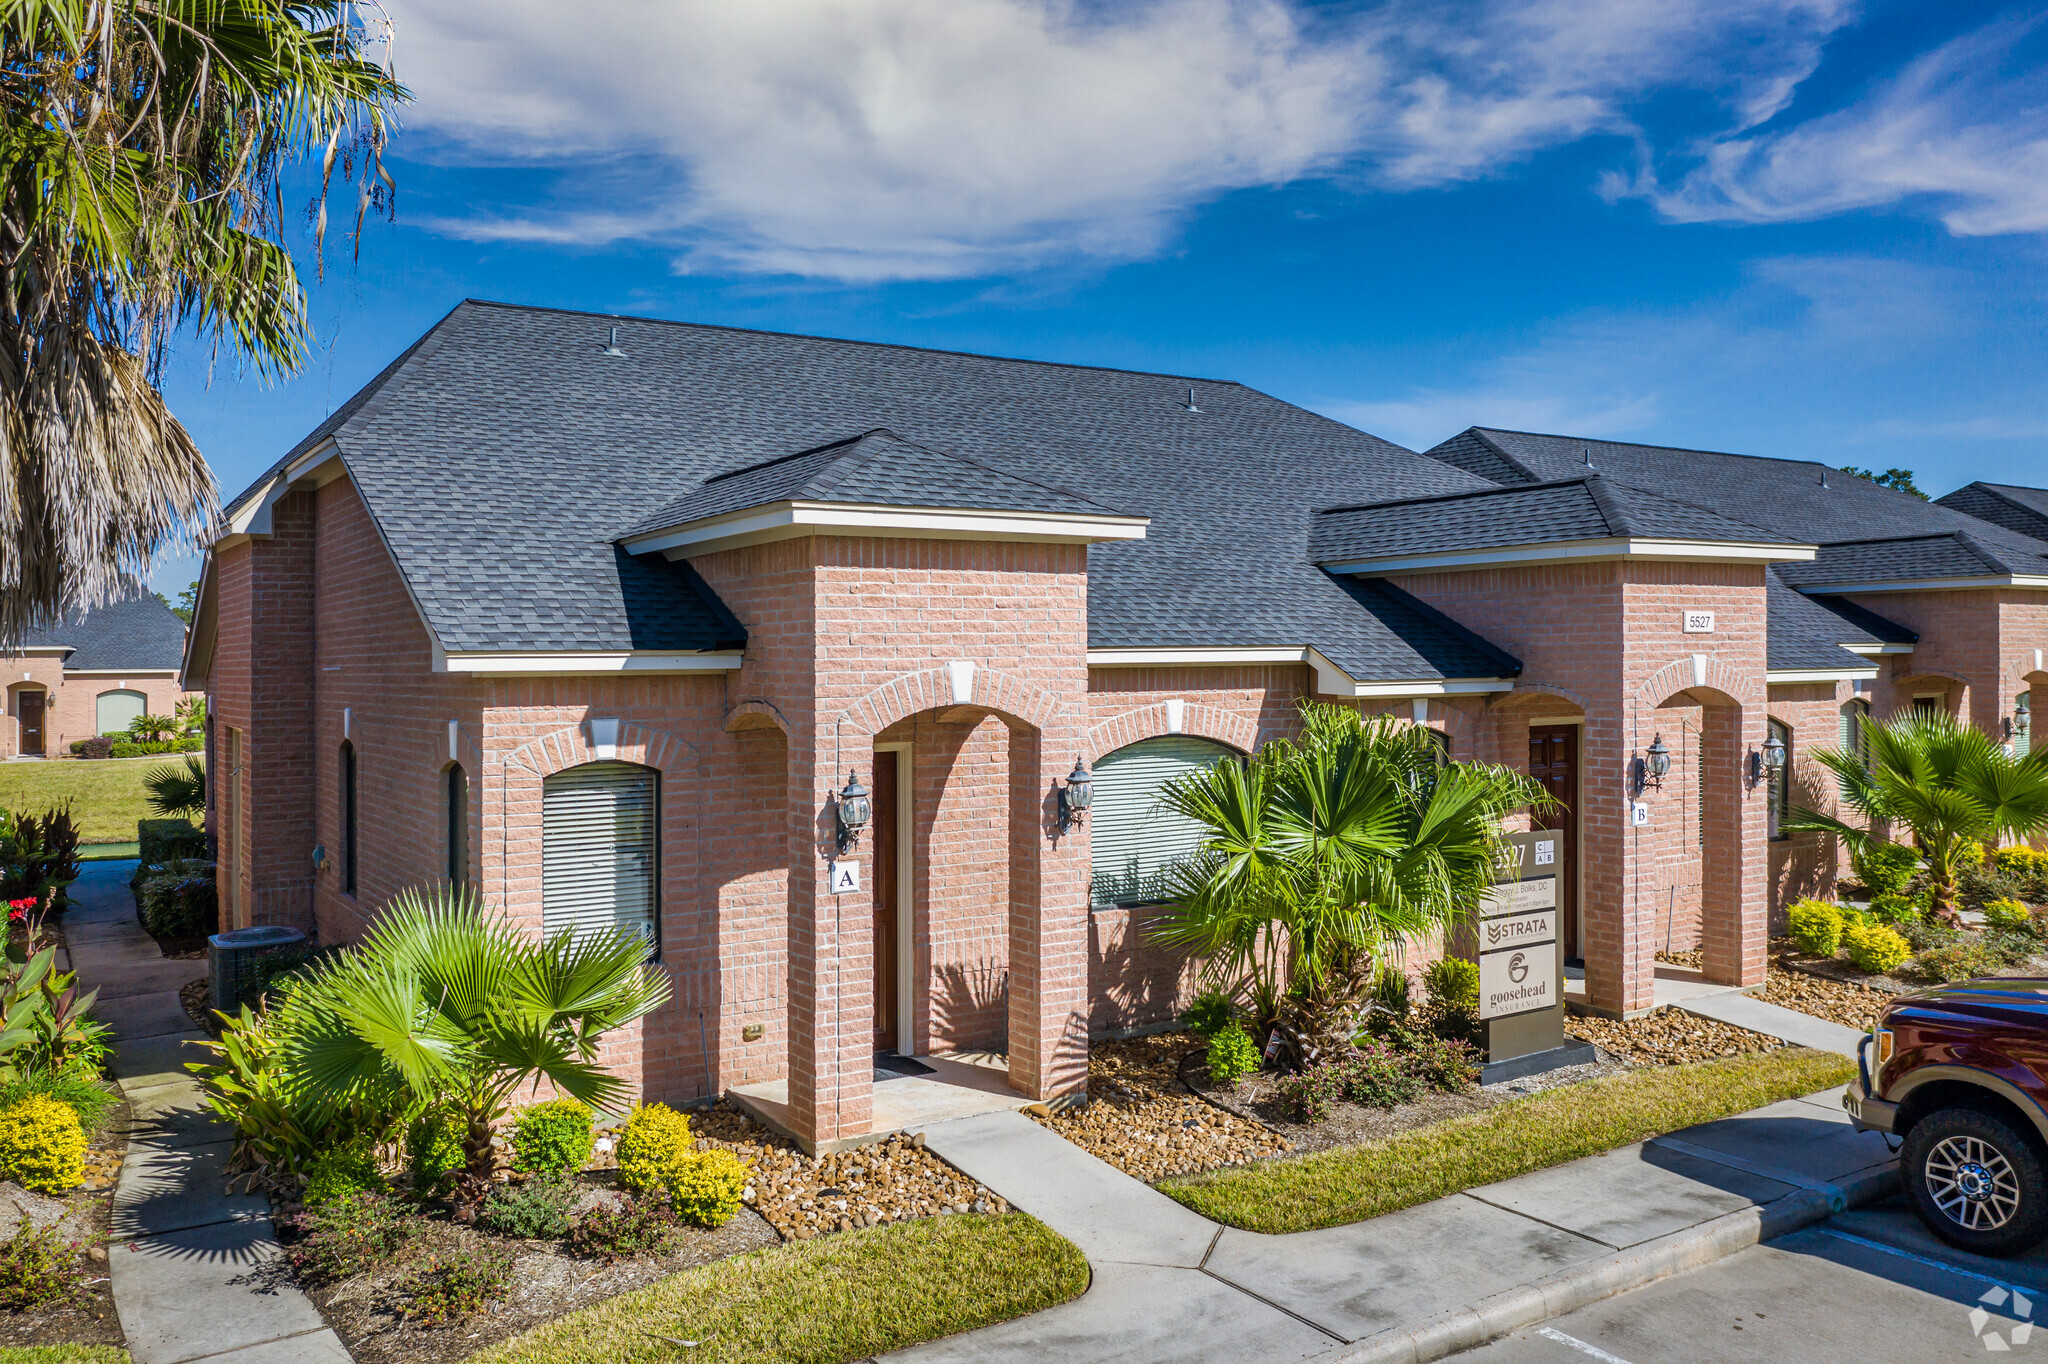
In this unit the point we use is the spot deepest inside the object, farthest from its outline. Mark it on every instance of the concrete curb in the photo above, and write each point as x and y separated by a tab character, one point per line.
1567	1290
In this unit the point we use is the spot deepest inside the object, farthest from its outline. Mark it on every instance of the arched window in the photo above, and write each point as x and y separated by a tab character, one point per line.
348	817
113	711
1781	781
457	798
598	852
1133	840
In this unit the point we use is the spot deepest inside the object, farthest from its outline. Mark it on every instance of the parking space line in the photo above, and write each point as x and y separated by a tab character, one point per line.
1550	1333
1928	1260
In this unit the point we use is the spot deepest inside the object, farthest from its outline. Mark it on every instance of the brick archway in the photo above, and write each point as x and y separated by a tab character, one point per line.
1171	717
962	683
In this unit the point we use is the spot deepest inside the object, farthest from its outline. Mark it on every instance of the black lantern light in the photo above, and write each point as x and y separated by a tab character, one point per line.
1659	760
1076	796
854	811
1774	753
2022	711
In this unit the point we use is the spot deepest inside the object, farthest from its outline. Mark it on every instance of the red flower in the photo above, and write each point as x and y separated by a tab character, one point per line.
22	906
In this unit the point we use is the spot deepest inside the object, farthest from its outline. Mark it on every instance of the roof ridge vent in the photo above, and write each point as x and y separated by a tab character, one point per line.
611	346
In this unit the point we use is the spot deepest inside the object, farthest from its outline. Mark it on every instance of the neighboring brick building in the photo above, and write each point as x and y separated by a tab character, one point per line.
91	674
602	626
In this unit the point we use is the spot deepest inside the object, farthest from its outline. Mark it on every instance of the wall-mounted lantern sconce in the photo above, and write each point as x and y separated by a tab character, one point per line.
1076	796
2008	727
319	857
1649	769
2022	712
854	811
1774	753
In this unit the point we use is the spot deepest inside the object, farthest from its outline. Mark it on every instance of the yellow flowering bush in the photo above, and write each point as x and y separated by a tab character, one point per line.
654	1147
706	1189
42	1146
1876	949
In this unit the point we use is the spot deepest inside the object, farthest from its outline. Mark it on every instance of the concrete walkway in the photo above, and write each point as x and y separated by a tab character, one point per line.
194	1267
1414	1285
1695	994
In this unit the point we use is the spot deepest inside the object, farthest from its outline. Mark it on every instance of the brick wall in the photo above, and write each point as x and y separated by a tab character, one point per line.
1803	864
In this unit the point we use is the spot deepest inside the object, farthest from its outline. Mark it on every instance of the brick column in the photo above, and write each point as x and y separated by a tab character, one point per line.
1616	949
1734	896
831	959
1049	873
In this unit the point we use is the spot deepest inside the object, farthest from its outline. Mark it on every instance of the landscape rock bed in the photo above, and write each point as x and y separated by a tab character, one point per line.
1851	1004
802	1195
1666	1037
1141	1119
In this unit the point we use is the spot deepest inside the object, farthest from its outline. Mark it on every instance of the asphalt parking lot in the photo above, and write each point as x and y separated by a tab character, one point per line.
1869	1286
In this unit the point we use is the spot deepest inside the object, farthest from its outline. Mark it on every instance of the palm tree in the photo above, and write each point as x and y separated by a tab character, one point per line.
145	147
1324	856
176	789
1946	782
447	1005
152	729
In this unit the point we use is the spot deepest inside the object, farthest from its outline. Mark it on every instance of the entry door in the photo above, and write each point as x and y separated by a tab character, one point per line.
30	705
1554	761
882	832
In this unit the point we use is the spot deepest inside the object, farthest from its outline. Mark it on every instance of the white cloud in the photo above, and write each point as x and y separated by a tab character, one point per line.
868	139
1966	124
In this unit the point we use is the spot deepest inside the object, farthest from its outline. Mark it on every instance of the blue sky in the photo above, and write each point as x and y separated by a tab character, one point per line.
1809	228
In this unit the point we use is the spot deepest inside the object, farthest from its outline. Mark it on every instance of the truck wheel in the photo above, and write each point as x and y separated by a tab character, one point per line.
1976	1181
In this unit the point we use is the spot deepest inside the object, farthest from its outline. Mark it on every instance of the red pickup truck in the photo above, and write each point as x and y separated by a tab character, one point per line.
1960	1074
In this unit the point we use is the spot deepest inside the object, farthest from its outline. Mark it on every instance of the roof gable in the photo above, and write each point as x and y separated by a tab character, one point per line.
133	633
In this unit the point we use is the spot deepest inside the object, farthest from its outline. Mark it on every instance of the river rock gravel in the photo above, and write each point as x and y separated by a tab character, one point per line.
1667	1037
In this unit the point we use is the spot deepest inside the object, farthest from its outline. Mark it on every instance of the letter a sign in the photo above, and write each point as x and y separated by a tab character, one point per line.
845	877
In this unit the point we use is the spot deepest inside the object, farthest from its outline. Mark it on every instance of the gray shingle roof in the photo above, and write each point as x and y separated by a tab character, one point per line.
2024	510
876	468
1782	496
1879	629
505	453
1806	633
1591	508
135	633
1439	643
1957	554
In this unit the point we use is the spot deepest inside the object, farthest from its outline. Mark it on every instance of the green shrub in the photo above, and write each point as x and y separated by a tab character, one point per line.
178	901
348	1236
2027	868
163	840
1886	868
1894	909
42	1145
449	1287
653	1148
552	1138
1956	961
1374	1077
2009	915
1453	983
2007	948
341	1172
99	746
191	743
1816	927
433	1152
121	748
1441	1063
1390	990
537	1210
75	1085
635	1226
1853	917
1232	1053
1207	1013
1924	934
1876	949
706	1191
37	1269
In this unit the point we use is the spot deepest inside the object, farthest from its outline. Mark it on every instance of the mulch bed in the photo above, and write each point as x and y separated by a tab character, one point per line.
197	997
792	1197
88	1316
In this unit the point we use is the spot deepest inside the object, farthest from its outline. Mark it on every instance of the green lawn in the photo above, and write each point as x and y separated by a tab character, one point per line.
823	1301
1353	1183
105	793
63	1354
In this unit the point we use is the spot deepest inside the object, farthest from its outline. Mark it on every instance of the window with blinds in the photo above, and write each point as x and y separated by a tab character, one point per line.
1133	839
598	850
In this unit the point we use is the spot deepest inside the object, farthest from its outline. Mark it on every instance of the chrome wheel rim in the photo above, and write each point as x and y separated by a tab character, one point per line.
1972	1183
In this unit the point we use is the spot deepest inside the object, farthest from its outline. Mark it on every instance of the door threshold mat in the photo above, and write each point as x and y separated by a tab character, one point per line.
890	1066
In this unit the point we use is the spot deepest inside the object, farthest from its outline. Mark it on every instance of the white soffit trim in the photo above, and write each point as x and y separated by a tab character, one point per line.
315	469
1928	584
1331	680
787	520
1878	650
624	661
1579	551
120	672
1779	677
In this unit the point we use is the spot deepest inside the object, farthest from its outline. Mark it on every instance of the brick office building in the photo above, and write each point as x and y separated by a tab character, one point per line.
599	615
92	673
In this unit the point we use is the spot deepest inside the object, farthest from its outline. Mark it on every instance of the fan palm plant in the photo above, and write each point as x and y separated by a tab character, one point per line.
1946	782
1325	855
175	789
446	1005
143	149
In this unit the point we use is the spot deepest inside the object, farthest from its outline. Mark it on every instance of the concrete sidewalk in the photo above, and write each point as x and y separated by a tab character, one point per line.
1414	1285
194	1267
